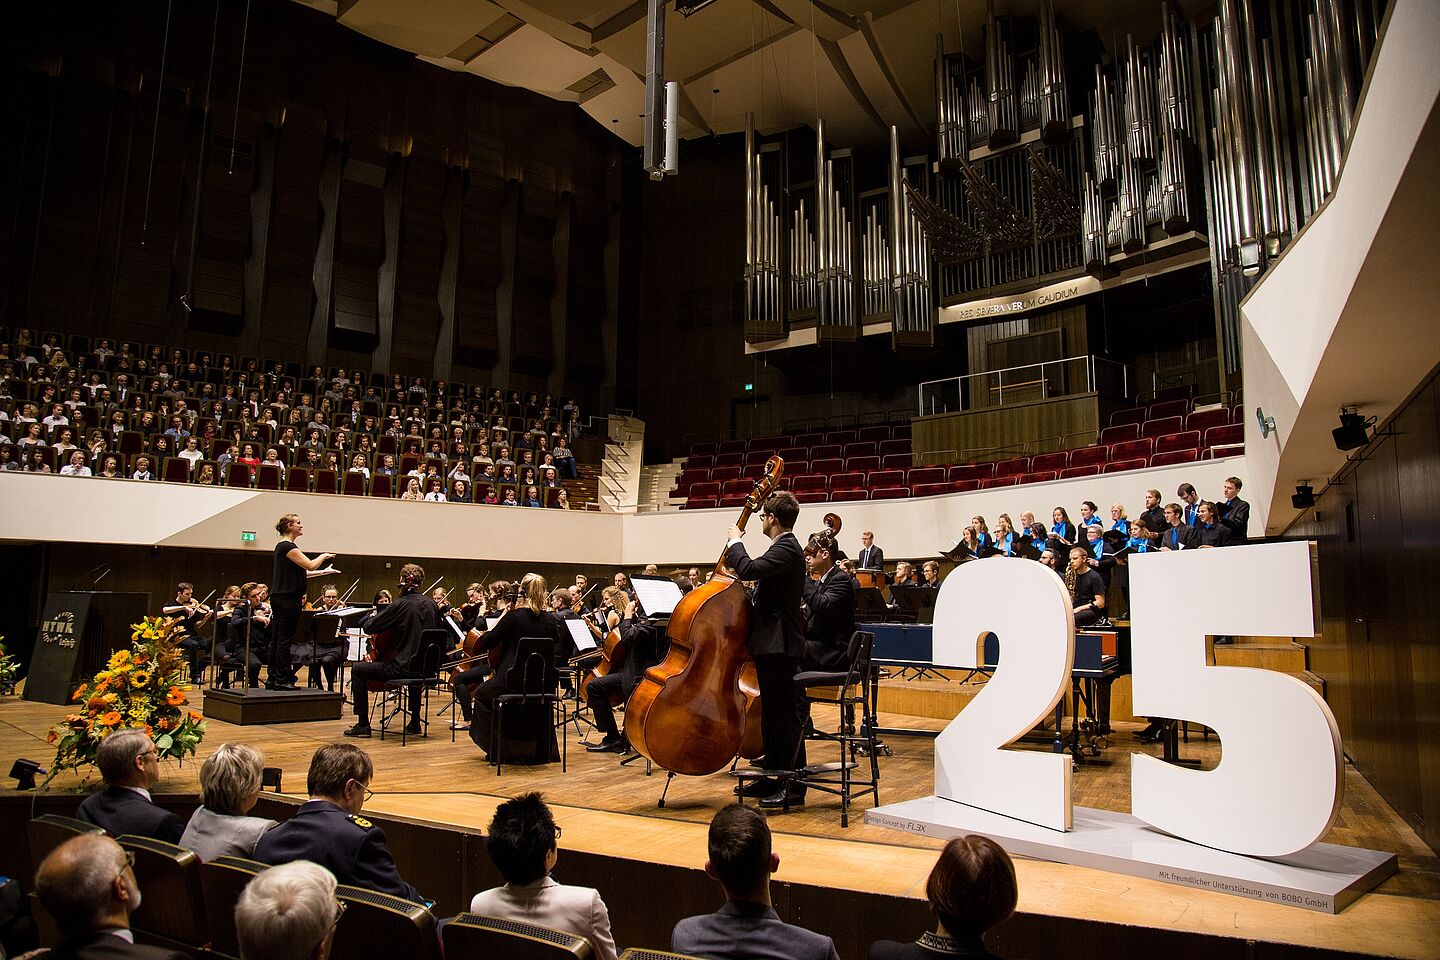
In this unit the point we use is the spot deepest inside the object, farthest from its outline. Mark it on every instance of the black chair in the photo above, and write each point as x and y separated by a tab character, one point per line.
408	692
379	925
639	953
473	937
49	831
172	913
847	689
221	882
532	681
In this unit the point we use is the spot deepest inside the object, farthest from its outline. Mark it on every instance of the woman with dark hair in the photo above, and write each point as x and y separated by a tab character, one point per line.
8	463
1062	532
522	841
971	888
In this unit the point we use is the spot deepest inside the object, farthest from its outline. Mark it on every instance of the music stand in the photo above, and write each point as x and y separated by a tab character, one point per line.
870	605
657	595
585	652
324	627
916	603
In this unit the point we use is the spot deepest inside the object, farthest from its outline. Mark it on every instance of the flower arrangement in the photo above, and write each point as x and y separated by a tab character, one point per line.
145	687
9	667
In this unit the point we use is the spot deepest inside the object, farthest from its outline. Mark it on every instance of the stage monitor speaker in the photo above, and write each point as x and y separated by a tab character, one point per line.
654	159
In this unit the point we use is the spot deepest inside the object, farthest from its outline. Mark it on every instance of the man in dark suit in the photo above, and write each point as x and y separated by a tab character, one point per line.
328	828
1179	535
1234	513
131	766
1191	500
777	638
88	886
871	557
747	926
1154	514
829	607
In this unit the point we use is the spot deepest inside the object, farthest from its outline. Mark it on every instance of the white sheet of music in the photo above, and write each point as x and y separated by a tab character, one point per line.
580	633
658	595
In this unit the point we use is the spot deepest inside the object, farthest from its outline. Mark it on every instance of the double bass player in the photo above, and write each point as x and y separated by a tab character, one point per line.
776	642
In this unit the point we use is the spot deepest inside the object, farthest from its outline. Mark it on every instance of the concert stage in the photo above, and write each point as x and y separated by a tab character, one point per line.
256	705
434	799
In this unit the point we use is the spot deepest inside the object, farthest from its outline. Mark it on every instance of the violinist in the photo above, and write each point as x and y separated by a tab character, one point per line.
441	596
642	641
292	568
381	599
776	641
249	631
475	672
472	610
326	658
191	615
406	620
528	618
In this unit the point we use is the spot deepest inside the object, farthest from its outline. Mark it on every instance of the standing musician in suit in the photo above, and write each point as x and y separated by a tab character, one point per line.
407	618
829	607
1178	535
1191	499
643	640
1234	512
777	639
292	568
871	557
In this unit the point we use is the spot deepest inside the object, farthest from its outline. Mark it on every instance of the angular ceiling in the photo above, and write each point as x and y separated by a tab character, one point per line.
861	64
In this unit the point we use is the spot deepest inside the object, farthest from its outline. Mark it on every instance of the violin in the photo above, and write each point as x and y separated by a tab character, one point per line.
697	709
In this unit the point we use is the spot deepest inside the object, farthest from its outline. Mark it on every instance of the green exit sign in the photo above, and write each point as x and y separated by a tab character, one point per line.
247	536
749	387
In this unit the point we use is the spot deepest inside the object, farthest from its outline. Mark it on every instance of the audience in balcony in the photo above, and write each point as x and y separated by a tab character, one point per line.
230	780
130	766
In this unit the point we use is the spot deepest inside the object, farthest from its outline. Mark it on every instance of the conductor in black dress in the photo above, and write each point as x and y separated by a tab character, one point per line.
777	639
287	595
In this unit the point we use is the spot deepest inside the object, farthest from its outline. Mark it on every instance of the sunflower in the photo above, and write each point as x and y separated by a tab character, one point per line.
119	658
140	678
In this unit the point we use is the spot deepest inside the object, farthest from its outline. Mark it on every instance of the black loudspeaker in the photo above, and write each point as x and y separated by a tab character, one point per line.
1304	497
654	156
1352	433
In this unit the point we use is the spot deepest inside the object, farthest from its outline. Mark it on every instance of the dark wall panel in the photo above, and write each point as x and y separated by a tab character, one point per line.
1378	526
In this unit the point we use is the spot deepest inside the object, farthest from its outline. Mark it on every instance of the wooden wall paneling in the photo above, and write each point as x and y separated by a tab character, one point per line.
451	200
587	297
1419	493
420	255
317	338
560	293
478	270
535	271
223	226
359	251
991	433
146	288
294	236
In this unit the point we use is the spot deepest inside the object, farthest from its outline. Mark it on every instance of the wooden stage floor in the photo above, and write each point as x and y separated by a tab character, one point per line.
602	805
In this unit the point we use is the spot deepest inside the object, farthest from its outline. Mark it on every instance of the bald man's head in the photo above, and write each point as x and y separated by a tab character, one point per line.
87	885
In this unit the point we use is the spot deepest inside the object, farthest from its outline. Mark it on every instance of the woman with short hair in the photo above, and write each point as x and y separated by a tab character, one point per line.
230	780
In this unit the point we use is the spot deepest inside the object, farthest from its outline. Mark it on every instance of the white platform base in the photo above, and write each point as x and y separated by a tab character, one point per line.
1326	877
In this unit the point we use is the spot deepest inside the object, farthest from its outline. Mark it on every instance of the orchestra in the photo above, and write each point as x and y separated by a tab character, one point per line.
254	625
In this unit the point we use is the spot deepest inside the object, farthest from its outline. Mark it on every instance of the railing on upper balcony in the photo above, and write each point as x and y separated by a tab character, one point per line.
1047	380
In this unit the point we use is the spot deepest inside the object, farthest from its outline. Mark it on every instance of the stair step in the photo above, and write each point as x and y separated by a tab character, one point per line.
1284	657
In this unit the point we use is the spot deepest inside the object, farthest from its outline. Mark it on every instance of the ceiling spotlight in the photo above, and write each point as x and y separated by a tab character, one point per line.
1304	496
1267	424
690	7
1354	430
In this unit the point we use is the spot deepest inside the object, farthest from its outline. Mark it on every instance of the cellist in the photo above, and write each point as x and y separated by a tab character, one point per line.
407	618
642	641
776	642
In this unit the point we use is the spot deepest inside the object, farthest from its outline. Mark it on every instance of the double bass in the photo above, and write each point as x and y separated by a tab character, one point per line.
689	712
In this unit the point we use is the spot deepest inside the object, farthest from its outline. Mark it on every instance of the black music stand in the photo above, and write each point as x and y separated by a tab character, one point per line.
917	604
870	605
315	628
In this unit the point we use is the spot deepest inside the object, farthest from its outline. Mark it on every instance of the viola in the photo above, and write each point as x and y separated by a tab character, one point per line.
695	711
612	657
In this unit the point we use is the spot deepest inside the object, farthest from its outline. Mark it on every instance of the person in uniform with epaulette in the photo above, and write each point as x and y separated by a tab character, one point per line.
328	828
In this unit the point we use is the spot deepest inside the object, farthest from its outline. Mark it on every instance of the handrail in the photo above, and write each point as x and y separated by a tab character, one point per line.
996	382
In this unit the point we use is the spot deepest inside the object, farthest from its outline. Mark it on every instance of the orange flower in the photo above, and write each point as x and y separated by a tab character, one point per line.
78	695
111	719
164	723
195	717
175	697
51	737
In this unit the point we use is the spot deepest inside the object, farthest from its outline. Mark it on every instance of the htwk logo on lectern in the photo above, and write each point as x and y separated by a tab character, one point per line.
59	629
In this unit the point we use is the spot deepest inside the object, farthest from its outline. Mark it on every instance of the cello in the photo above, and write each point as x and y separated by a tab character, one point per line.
688	714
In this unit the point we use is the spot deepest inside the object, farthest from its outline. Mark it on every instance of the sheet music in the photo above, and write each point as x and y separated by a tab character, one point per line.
454	628
354	645
580	633
658	595
490	622
342	612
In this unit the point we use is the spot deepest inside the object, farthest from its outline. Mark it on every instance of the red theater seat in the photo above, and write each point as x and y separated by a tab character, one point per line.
699	503
1171	442
1117	466
827	465
889	493
874	434
732	446
894	446
1012	467
1203	420
809	483
729	472
847	481
841	437
964	486
709	489
925	475
1040	476
808	439
887	478
1089	470
1223	436
1160	426
843	496
1131	450
733	500
1120	434
859	449
1050	461
703	449
990	482
895	461
1171	457
863	464
1089	456
731	459
1168	408
732	487
826	450
813	496
972	471
1134	415
930	489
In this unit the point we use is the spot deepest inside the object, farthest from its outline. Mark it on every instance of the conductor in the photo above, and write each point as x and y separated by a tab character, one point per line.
776	641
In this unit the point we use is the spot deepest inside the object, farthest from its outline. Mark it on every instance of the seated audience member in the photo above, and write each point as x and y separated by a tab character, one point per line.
746	927
76	467
521	841
88	886
35	461
971	889
329	830
288	912
142	469
128	761
229	789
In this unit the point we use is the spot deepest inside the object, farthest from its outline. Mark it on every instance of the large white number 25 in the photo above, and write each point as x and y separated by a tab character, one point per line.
1278	786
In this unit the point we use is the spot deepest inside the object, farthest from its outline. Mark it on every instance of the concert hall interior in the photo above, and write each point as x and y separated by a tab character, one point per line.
667	407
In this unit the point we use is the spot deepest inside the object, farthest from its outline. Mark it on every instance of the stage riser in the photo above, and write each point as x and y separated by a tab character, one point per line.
258	706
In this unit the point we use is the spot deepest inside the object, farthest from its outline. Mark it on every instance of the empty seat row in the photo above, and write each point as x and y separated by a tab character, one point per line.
875	434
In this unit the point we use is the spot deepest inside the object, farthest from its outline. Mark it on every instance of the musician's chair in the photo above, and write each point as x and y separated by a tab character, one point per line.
532	699
409	697
848	689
